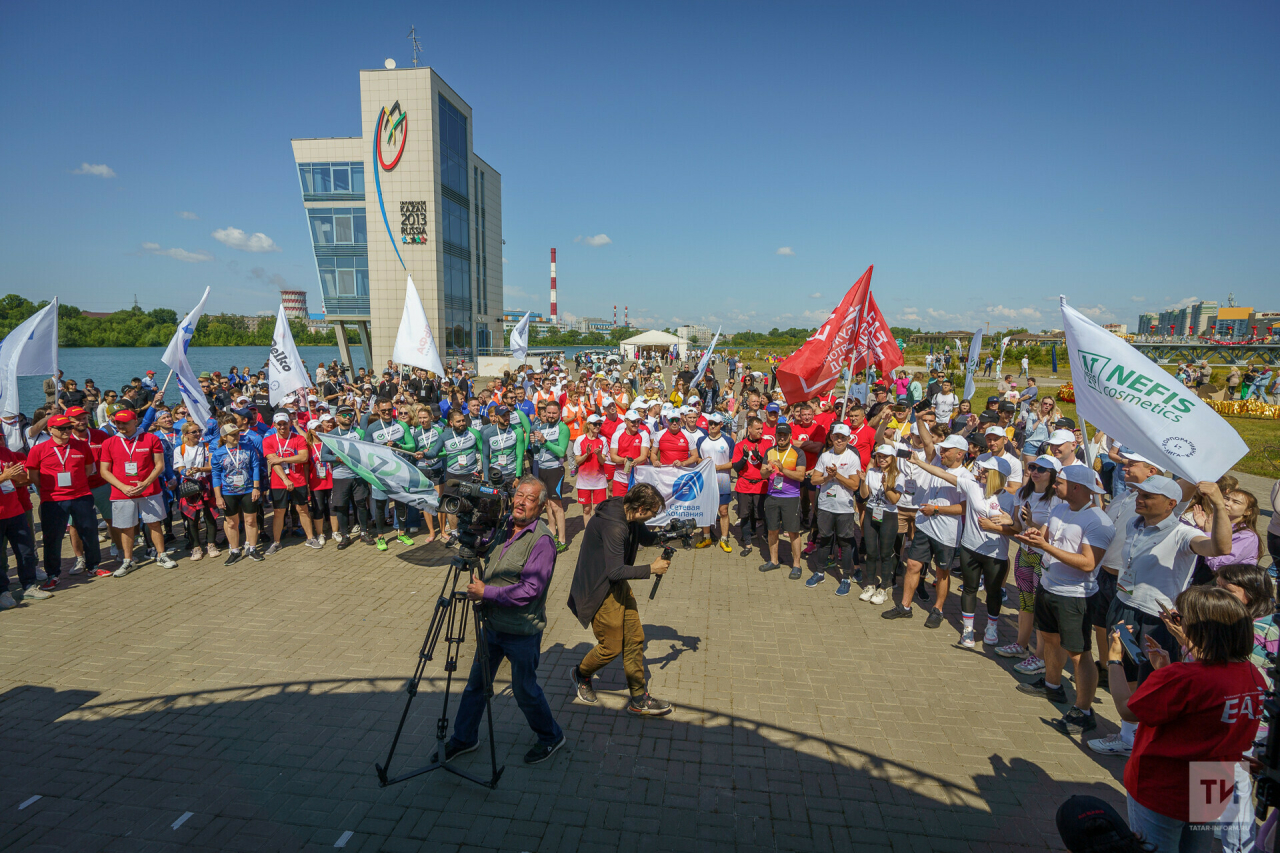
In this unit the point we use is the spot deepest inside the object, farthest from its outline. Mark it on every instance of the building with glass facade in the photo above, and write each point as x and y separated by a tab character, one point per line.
407	197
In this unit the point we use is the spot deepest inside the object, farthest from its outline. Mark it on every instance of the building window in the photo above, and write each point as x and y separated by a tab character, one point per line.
338	226
453	148
344	276
455	224
332	178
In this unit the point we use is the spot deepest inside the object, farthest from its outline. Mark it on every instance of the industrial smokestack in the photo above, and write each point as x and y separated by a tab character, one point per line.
554	314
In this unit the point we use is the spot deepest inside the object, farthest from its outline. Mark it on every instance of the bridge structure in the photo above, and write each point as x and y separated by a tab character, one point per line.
1165	352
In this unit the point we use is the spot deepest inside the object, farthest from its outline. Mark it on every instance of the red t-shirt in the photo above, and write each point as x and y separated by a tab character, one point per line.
825	419
319	474
607	430
10	502
629	447
863	437
292	446
751	480
49	460
591	474
672	447
131	461
96	439
768	437
1189	712
801	434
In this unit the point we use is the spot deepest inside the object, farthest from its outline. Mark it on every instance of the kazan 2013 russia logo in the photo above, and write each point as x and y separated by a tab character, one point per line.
394	125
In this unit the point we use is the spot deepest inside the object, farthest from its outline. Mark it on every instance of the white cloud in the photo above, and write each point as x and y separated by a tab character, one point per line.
504	260
237	239
814	317
1137	299
1183	303
786	250
177	254
1095	312
567	316
1027	313
598	240
815	295
186	214
98	170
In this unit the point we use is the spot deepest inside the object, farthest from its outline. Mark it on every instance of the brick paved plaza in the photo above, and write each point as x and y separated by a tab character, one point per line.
257	698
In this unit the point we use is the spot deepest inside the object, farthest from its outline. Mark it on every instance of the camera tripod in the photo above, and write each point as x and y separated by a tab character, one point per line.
450	616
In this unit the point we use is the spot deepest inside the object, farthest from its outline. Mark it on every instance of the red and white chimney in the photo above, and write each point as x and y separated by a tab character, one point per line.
615	316
554	314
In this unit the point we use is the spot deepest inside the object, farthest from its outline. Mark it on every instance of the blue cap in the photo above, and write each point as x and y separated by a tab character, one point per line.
773	407
782	421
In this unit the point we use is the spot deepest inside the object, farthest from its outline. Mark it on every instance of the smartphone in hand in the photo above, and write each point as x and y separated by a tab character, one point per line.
1129	643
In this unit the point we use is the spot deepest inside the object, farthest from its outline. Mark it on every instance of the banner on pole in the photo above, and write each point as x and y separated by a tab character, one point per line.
689	492
414	342
285	371
31	349
706	359
971	366
1134	401
384	469
520	337
175	357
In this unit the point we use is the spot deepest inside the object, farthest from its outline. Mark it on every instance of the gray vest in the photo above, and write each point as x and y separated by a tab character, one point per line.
504	570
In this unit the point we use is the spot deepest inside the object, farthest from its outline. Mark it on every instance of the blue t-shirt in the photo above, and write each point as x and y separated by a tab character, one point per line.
237	469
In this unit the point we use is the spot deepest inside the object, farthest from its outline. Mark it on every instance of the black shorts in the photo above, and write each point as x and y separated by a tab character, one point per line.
925	548
1100	601
843	524
750	506
553	479
296	496
782	514
1067	617
237	504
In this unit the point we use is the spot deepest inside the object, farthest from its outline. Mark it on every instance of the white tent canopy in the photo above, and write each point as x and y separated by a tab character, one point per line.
651	341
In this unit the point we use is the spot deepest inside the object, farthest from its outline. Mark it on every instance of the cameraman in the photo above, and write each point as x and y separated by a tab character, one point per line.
601	597
514	592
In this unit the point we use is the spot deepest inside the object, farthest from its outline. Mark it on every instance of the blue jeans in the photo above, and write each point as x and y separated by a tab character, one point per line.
1167	834
522	650
17	532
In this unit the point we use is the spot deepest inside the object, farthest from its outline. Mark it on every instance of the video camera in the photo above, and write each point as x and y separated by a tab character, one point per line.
681	529
481	509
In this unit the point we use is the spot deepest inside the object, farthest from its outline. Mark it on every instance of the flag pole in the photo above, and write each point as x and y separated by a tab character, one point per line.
862	316
166	383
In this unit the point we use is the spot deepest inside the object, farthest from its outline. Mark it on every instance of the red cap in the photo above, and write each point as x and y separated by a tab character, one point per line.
151	373
74	412
59	421
123	416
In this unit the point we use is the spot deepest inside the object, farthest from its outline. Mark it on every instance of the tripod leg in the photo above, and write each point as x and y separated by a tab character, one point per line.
483	651
412	689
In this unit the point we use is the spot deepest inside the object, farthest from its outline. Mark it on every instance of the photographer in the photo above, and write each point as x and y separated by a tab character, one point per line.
601	597
514	592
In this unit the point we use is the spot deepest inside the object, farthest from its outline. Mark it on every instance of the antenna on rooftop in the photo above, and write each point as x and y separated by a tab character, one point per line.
417	48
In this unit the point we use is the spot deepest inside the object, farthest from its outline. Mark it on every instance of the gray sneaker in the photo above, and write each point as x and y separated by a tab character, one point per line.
126	566
274	549
314	543
41	575
6	601
35	593
79	567
164	561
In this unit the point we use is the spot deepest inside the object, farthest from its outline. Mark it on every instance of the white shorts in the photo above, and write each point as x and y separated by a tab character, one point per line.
124	514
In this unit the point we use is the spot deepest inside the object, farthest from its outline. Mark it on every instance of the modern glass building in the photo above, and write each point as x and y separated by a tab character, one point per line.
408	197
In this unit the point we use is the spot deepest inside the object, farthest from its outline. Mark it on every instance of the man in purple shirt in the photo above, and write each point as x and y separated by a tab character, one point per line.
513	592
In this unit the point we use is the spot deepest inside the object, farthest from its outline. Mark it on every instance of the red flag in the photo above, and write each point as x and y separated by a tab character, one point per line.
856	328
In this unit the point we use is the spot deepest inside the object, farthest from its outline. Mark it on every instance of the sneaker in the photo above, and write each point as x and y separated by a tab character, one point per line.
6	601
197	555
1076	722
880	597
232	556
212	550
367	538
705	543
768	567
164	561
647	706
561	547
966	638
1111	745
1030	665
102	573
316	543
725	546
814	579
585	691
992	635
898	612
126	566
255	555
78	567
795	573
404	540
274	548
33	592
1038	688
809	549
935	618
452	749
40	575
843	588
382	543
355	530
412	530
542	751
867	593
1012	650
344	542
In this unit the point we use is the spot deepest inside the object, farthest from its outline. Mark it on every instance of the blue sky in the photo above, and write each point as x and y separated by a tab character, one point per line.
746	161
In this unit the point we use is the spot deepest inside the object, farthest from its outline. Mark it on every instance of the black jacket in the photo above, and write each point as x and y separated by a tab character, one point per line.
609	546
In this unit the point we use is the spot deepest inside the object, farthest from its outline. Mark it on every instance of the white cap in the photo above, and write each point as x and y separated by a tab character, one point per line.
1047	461
633	415
1061	436
1160	485
996	463
281	417
242	399
686	410
841	429
995	430
1130	455
887	450
311	398
954	442
594	419
692	398
1082	475
668	410
607	402
313	423
326	417
715	418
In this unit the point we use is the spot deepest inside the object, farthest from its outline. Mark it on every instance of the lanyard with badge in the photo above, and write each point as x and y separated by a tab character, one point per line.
130	467
63	476
239	463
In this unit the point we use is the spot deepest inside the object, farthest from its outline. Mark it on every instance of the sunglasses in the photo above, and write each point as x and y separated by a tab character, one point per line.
1038	469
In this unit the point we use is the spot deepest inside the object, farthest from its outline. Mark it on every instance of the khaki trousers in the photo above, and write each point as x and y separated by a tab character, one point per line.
618	631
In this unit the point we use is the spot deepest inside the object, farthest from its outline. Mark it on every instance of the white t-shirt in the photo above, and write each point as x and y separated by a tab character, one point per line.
1015	465
944	405
1157	563
1040	511
720	452
877	502
834	495
184	457
1068	530
977	505
938	492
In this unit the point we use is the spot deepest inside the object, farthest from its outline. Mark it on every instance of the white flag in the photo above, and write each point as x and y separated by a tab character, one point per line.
689	492
285	371
391	472
1000	367
175	357
31	349
975	352
414	342
706	359
1134	401
520	337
